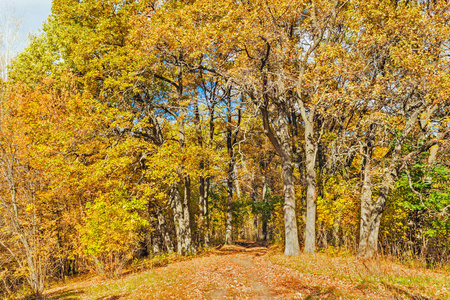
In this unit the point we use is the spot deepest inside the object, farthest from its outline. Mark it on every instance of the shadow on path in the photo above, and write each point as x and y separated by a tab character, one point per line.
70	294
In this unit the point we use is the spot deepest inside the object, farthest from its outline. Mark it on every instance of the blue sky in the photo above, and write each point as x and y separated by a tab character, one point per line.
33	13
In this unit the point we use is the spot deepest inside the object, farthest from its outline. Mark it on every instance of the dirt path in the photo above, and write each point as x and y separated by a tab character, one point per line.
231	272
237	275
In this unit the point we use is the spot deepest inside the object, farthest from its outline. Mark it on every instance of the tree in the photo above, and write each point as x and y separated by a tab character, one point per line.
405	90
9	39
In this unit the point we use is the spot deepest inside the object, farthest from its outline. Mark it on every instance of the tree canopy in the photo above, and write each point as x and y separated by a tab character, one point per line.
131	128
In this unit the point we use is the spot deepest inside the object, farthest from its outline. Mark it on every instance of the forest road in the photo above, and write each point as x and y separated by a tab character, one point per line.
238	265
241	271
246	271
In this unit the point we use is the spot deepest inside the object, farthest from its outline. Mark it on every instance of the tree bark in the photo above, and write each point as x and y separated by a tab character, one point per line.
283	147
203	195
373	212
264	215
290	220
182	222
182	206
366	247
230	174
162	227
310	236
310	158
229	229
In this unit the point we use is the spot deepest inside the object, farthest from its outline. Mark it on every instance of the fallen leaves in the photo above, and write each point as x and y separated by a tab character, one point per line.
235	272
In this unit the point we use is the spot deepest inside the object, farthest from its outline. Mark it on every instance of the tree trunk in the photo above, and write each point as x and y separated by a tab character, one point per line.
236	182
205	212
164	234
203	196
292	246
231	138
181	220
365	248
264	214
371	213
255	234
290	220
281	143
183	207
368	244
311	150
229	229
230	181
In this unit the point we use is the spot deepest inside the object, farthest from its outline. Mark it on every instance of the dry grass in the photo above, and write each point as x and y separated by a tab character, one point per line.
236	272
384	276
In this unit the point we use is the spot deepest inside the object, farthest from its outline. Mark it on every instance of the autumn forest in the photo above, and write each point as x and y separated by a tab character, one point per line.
134	128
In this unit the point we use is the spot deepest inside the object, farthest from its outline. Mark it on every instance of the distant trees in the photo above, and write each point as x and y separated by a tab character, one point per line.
10	26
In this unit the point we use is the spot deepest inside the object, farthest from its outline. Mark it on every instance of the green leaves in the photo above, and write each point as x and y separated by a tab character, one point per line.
111	230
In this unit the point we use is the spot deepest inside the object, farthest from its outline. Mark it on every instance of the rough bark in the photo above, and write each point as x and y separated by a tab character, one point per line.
202	198
254	199
182	206
364	248
230	173
229	229
236	182
290	220
310	158
282	145
182	224
374	211
162	228
264	217
230	181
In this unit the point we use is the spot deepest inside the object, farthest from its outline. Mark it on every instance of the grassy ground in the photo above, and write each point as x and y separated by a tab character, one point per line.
382	275
255	273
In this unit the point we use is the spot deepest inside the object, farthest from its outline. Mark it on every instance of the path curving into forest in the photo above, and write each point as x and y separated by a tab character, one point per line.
242	271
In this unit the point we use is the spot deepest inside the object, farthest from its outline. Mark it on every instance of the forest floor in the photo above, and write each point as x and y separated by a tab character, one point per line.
252	271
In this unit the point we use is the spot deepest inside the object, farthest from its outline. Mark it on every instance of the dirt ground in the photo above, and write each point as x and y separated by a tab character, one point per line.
229	272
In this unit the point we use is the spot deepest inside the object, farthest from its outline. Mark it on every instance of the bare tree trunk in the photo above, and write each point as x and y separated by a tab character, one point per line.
229	229
231	139
230	175
162	227
311	151
368	245
182	224
431	161
281	143
292	246
364	249
182	207
202	195
205	211
264	217
201	226
236	182
371	213
205	206
255	234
